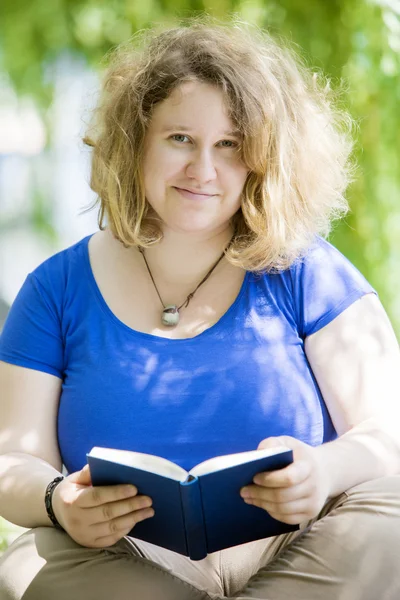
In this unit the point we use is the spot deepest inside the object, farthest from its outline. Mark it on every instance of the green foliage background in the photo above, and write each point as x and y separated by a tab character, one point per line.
357	41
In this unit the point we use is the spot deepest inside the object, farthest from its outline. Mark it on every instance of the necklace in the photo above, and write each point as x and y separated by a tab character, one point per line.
170	313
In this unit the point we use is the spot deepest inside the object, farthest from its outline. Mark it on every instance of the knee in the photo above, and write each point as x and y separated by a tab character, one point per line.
366	519
18	566
377	497
385	487
34	564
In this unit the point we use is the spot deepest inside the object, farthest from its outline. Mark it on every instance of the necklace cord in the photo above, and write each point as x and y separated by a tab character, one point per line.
190	296
152	278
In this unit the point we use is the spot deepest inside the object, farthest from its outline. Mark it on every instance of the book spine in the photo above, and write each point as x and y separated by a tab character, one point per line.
194	519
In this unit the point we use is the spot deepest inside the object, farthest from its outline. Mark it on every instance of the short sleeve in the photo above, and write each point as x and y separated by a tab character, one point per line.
325	283
31	336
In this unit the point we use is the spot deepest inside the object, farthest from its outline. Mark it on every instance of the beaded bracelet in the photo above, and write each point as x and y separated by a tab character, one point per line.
47	500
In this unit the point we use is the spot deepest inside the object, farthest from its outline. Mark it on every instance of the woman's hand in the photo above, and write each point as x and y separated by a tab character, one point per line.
97	517
296	493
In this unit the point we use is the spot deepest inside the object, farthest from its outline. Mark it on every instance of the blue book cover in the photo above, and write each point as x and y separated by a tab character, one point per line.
196	512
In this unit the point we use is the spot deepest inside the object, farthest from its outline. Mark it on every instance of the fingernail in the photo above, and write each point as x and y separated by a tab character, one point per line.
146	502
245	493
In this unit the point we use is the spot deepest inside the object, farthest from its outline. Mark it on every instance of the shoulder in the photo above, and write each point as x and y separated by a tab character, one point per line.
63	266
322	283
318	253
323	264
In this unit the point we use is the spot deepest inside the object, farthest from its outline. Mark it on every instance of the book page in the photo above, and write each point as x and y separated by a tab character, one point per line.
230	460
146	462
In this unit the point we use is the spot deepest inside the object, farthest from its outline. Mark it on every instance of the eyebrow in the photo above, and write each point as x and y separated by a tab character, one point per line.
233	133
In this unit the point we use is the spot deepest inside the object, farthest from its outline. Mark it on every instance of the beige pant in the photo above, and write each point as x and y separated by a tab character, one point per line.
351	552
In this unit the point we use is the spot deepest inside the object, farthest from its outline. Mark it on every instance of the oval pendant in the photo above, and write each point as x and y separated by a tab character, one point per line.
170	315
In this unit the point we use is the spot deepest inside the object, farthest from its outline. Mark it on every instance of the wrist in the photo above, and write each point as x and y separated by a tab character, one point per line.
328	468
50	501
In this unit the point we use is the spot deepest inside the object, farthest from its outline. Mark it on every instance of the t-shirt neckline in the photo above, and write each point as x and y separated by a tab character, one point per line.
149	336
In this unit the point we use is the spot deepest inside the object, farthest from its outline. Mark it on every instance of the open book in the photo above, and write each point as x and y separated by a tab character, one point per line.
196	512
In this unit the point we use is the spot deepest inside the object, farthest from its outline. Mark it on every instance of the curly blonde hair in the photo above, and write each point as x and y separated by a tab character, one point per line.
295	143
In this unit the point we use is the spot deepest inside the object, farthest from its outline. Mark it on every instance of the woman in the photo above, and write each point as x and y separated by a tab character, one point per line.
207	316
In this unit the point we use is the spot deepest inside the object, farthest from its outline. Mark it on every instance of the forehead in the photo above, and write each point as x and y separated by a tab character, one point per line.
191	104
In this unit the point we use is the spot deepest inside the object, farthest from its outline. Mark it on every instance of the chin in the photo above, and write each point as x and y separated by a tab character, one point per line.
191	230
191	227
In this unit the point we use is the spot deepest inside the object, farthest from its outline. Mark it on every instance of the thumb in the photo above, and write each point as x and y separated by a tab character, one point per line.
83	477
274	442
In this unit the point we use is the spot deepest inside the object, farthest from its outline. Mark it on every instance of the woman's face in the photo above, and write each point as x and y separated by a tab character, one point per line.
193	174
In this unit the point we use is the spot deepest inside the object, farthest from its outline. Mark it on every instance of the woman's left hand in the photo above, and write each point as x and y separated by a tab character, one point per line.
295	493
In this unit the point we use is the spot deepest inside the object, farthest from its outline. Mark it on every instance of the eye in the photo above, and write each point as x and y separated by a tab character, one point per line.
229	144
177	137
181	139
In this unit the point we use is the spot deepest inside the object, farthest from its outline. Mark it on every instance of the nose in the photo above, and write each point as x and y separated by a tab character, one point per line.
201	166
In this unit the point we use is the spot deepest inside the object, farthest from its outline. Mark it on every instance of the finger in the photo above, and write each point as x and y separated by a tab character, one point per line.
293	519
296	507
113	510
274	442
83	477
96	496
292	475
290	516
277	495
109	533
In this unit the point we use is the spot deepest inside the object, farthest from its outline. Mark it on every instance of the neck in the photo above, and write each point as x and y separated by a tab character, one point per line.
186	258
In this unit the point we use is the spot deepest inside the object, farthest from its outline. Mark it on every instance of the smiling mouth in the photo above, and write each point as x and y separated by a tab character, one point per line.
192	194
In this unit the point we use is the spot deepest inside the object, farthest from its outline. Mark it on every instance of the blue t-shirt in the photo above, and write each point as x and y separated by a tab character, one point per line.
244	379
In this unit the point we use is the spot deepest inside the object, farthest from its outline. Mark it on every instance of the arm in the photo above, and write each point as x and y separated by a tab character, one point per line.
29	452
356	361
29	455
30	459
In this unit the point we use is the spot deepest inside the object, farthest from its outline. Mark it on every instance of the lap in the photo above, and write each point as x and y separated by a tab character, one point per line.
44	559
44	563
355	534
351	551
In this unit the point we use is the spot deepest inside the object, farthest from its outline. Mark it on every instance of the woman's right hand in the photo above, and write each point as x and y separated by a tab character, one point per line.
97	517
